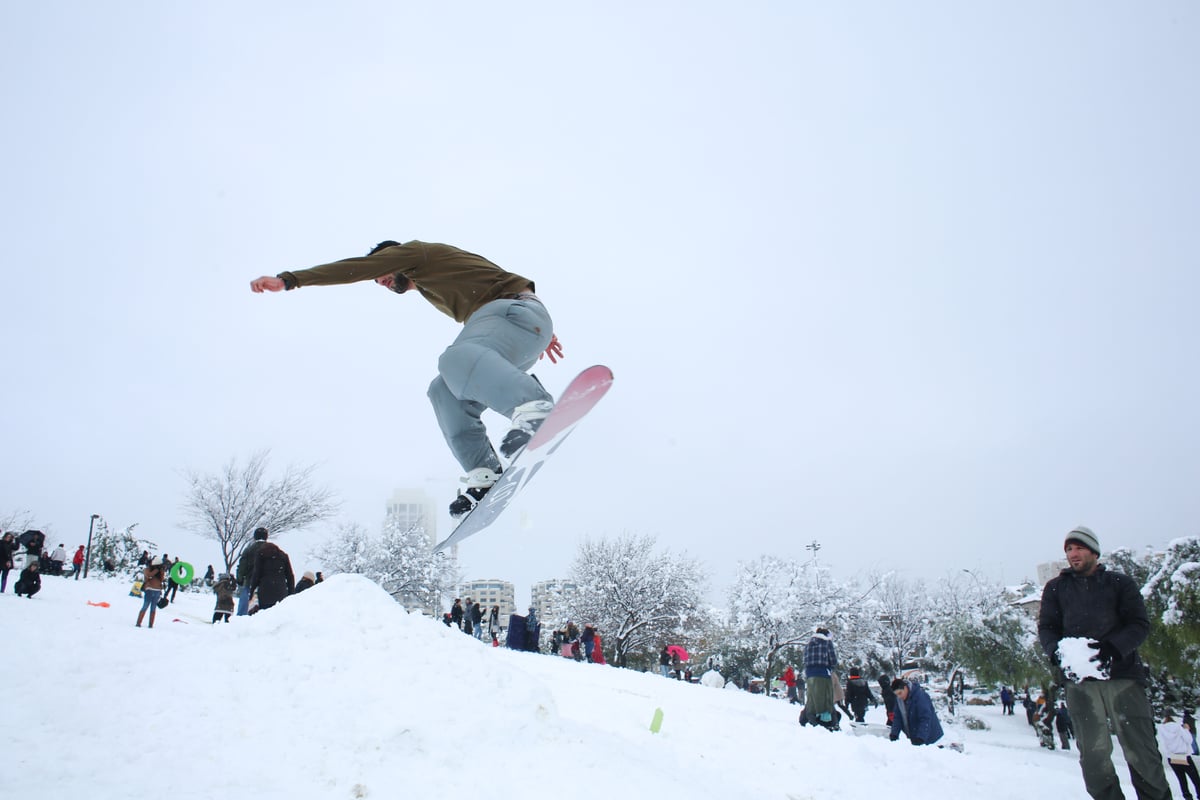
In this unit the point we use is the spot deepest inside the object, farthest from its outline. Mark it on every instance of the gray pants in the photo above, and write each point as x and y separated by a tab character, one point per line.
1092	704
485	367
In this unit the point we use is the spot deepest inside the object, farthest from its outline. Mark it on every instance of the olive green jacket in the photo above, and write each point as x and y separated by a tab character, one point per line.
458	283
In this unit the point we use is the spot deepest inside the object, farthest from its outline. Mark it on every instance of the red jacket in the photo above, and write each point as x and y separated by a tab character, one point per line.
78	559
789	677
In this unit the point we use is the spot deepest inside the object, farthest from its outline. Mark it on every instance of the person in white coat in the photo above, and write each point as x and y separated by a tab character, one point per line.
1179	744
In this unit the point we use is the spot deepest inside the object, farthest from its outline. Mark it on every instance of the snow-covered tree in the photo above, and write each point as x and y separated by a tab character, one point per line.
229	506
776	604
117	551
977	626
638	599
401	560
1172	594
904	611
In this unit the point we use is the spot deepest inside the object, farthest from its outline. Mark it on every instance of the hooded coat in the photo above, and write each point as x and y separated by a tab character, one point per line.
272	578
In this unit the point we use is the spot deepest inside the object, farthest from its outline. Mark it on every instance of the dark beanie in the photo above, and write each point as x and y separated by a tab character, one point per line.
1084	536
260	533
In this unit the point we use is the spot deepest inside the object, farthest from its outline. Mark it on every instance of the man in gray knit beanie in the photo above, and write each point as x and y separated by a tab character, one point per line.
1105	607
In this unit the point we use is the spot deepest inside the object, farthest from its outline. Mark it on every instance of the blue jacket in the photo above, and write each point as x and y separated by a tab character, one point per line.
916	717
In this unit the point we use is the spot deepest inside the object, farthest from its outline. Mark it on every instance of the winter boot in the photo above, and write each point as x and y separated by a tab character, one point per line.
526	419
141	614
478	482
151	625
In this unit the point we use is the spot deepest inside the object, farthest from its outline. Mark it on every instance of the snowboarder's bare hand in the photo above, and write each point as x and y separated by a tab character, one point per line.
267	283
554	350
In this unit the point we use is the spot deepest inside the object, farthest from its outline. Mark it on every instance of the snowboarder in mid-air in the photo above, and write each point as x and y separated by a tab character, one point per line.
506	329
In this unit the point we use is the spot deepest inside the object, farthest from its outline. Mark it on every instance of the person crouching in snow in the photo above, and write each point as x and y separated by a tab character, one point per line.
914	714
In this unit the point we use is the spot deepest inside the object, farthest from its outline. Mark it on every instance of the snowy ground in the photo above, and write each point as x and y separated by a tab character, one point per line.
338	693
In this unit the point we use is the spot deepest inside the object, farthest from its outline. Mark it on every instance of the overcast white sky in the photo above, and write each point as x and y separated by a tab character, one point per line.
915	280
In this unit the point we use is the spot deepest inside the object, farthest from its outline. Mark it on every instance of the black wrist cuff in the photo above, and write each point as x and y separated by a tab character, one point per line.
289	281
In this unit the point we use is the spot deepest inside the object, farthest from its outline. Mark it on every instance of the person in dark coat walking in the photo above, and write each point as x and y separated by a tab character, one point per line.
272	578
1007	701
245	570
1088	601
477	619
456	613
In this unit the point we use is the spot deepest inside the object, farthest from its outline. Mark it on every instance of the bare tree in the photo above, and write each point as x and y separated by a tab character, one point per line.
228	506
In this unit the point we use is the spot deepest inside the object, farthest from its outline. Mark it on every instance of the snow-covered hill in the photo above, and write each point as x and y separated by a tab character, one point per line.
338	693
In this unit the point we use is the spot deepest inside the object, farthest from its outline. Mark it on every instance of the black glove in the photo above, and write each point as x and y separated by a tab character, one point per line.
917	741
1106	654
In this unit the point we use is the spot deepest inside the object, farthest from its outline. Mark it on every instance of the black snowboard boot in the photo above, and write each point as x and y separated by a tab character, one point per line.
526	419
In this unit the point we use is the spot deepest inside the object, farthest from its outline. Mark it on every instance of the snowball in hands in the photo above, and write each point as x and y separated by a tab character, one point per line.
1075	657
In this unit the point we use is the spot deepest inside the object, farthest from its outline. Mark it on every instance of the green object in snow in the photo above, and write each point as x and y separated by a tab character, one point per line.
656	723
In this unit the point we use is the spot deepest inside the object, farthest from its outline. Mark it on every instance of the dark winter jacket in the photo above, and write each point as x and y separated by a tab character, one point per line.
246	563
820	658
885	691
302	584
30	581
8	546
476	614
272	577
858	692
1062	721
1104	606
916	717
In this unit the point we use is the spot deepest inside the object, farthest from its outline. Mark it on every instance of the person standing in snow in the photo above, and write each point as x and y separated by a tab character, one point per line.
1087	600
889	697
1179	744
456	613
789	680
858	694
914	714
307	581
506	329
1062	723
820	660
224	589
152	584
1006	701
664	662
59	557
8	546
77	563
476	612
245	570
272	578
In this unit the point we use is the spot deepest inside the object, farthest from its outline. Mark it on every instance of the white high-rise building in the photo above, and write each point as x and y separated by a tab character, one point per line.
414	508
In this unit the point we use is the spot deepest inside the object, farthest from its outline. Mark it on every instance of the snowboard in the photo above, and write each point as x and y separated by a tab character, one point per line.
577	400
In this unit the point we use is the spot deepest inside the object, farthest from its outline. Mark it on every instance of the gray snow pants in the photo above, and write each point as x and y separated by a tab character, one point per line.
1092	704
485	367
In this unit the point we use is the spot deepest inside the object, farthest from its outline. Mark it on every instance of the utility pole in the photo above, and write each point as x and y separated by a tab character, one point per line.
87	561
814	546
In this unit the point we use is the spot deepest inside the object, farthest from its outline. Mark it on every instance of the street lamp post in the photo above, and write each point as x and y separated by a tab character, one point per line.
87	561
